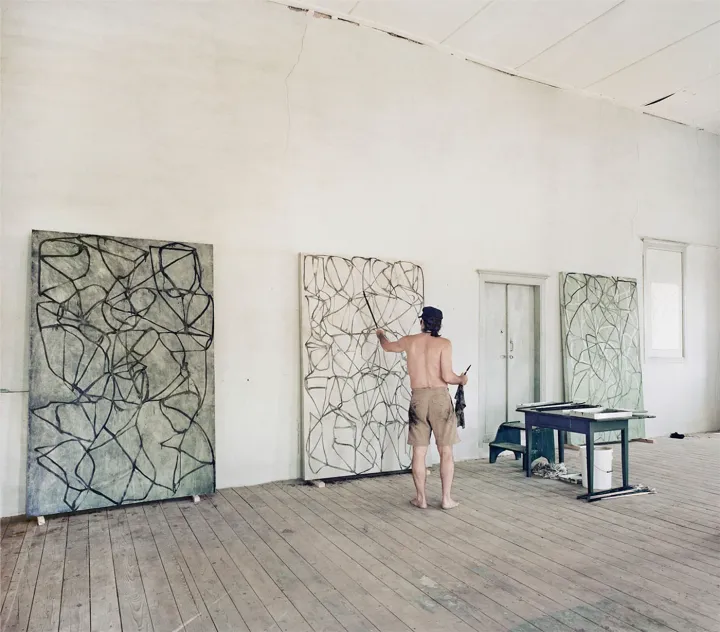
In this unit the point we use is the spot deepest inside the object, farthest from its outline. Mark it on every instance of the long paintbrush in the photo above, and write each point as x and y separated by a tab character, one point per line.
370	309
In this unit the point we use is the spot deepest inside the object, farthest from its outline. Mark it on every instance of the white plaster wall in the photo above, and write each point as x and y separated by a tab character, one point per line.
267	132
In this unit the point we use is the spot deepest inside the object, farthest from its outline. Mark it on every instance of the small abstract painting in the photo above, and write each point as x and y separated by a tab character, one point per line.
122	393
601	345
355	396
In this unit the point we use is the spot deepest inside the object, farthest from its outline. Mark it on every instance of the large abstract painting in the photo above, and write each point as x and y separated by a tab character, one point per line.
121	372
601	345
355	396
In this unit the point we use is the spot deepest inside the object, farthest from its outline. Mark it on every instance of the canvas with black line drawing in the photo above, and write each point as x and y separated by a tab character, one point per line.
601	346
121	380
355	397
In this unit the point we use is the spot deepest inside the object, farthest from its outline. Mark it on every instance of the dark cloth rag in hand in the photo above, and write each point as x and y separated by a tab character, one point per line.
460	406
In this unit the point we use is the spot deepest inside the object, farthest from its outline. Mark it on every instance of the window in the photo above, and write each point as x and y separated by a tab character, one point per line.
664	272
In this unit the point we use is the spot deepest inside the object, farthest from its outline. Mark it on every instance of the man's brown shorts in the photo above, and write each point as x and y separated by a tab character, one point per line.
432	411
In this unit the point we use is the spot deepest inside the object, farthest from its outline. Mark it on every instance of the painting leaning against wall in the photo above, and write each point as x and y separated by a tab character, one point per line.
601	345
121	403
355	397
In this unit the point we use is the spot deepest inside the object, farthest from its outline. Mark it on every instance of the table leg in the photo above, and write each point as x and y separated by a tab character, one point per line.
528	447
590	459
561	446
625	458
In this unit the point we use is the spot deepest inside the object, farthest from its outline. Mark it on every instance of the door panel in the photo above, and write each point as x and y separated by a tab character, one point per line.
495	358
521	347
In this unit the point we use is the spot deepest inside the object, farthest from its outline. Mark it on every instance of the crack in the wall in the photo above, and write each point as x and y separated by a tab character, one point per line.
287	87
659	100
401	37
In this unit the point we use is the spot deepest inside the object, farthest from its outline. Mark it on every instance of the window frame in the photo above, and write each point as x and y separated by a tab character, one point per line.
663	355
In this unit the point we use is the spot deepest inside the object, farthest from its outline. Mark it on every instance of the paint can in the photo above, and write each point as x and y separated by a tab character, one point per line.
602	470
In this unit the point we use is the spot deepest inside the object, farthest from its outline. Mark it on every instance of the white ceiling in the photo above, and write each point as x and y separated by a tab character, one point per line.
632	51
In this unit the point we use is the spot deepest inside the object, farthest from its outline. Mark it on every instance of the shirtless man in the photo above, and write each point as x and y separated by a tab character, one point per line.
429	359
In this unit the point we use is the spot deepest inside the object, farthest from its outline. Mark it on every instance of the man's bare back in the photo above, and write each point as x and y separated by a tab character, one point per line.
429	361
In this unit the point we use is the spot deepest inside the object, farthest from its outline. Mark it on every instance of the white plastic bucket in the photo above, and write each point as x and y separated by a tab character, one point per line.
602	471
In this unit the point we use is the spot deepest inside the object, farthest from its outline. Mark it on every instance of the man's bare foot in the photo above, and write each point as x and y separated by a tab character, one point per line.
420	504
449	504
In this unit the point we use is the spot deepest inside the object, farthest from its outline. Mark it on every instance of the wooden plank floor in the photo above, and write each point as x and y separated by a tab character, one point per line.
518	554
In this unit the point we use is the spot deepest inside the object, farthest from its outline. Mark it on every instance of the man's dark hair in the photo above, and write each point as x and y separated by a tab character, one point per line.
432	321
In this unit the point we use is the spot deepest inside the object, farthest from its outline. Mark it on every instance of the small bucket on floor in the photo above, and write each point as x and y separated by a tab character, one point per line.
602	471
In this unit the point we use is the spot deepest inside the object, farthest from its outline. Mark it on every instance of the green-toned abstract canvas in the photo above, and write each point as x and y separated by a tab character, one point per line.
121	403
601	345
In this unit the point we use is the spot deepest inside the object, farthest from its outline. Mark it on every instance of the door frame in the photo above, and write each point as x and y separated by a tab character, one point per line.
538	281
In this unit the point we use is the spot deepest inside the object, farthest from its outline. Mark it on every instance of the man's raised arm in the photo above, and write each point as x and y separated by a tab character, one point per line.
394	347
